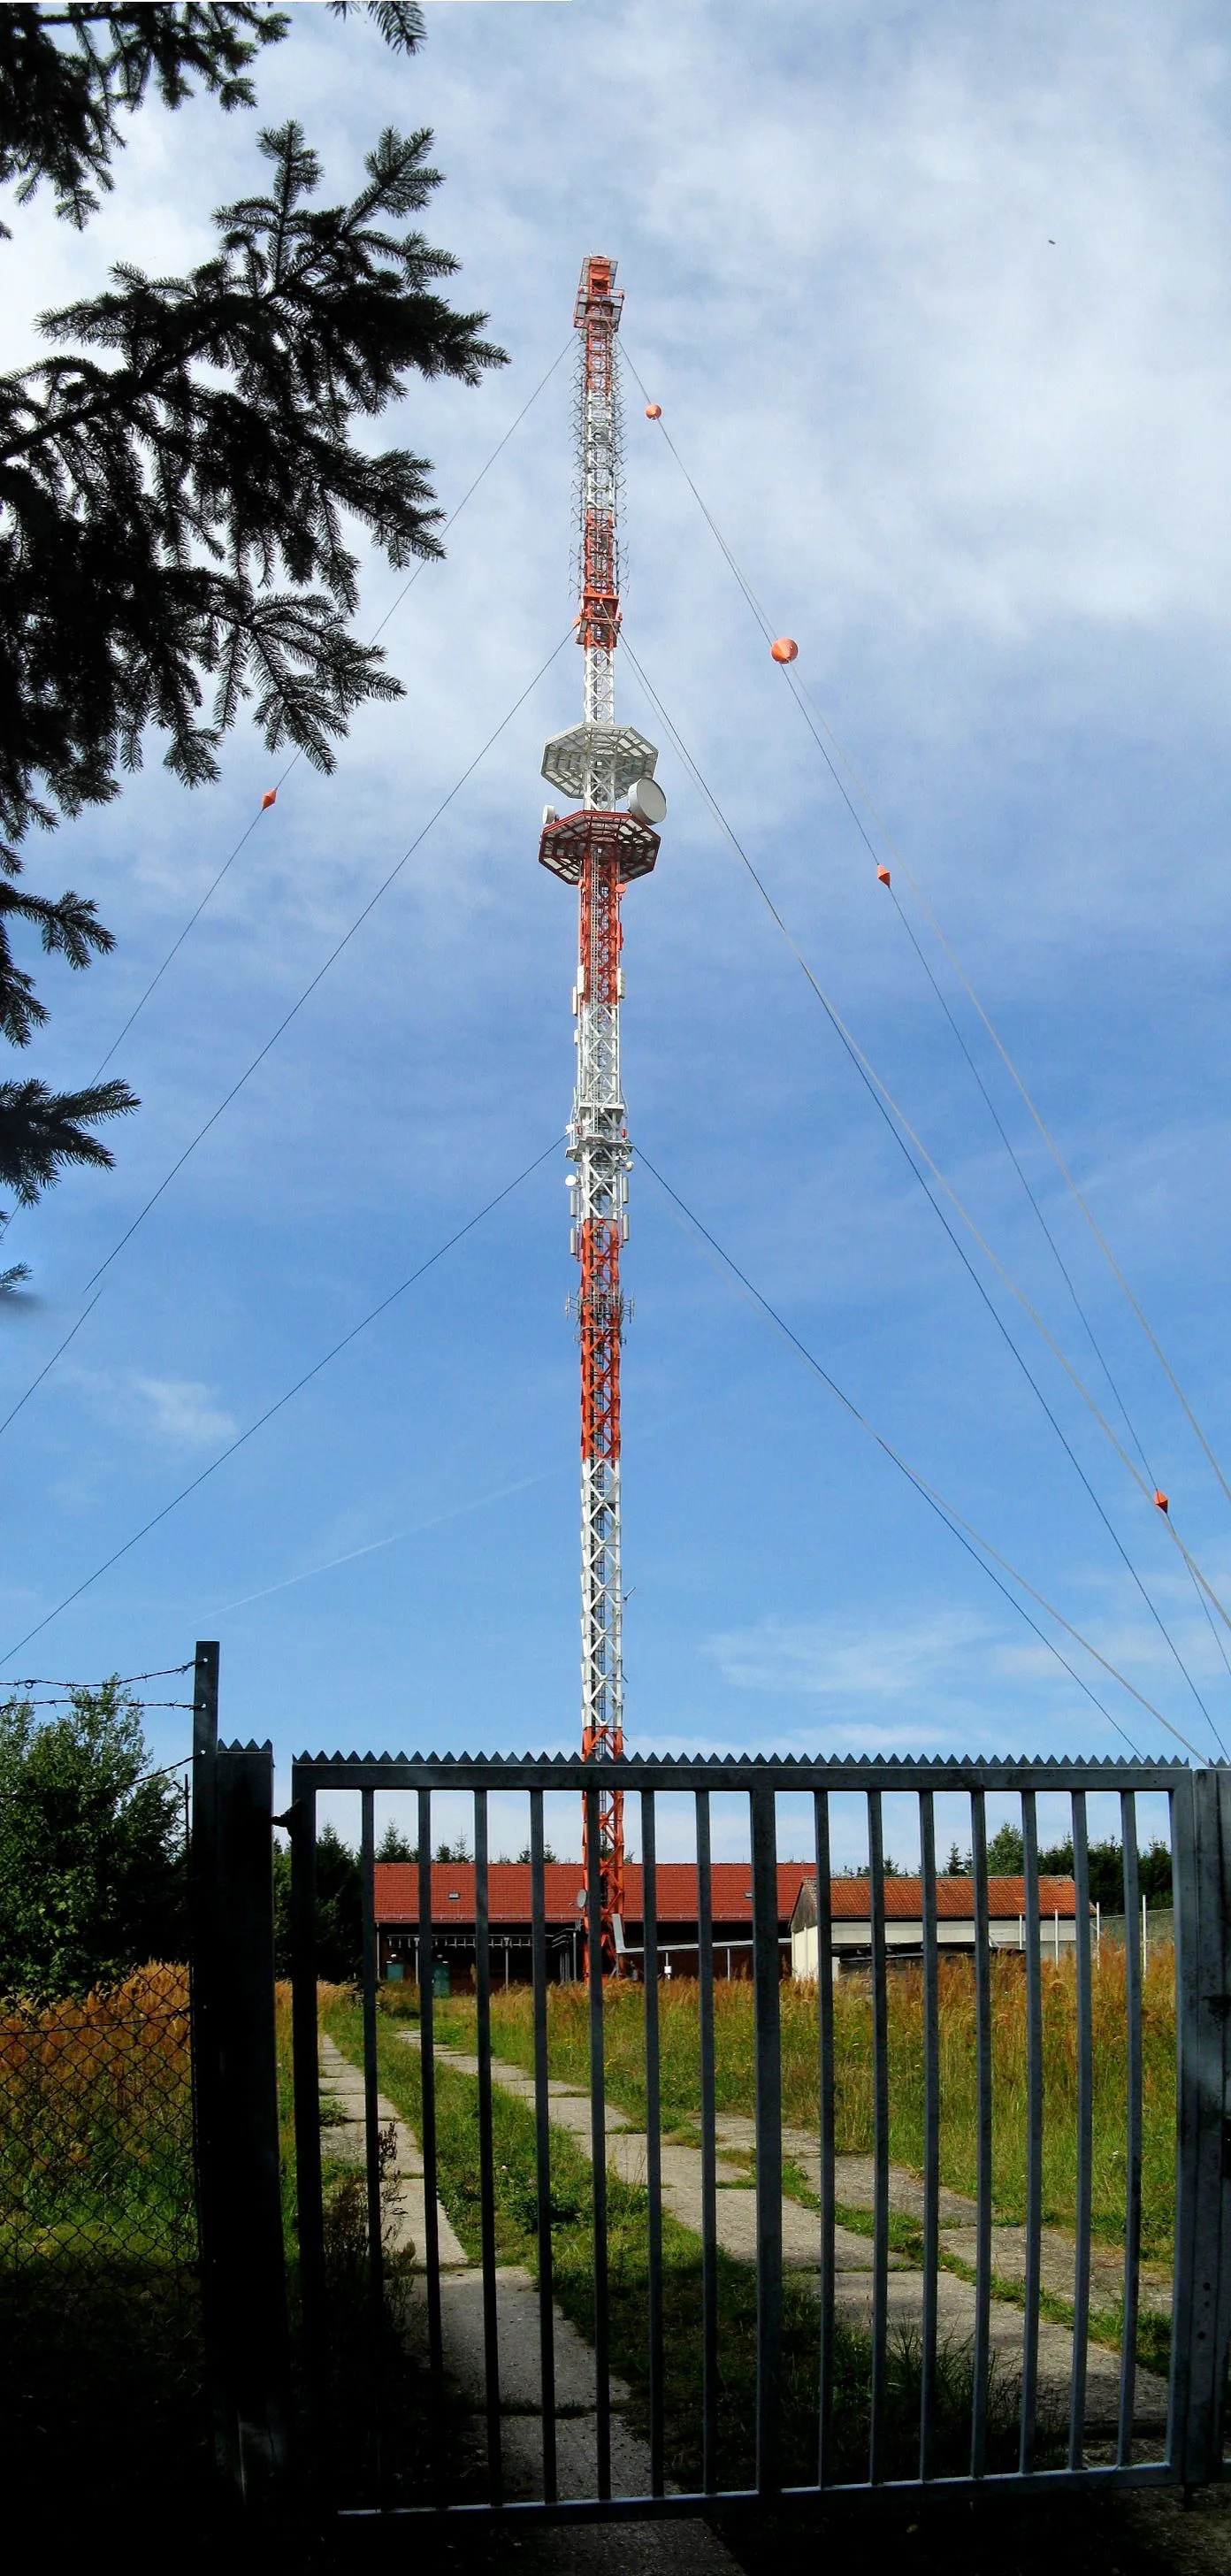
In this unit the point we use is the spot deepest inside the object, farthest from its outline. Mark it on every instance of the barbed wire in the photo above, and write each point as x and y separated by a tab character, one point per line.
117	1681
65	1700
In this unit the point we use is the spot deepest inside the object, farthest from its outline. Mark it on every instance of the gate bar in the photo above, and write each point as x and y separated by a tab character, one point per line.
371	2116
1219	1895
593	2509
709	2152
766	1972
653	2135
825	2078
598	2142
1188	2119
1133	2115
880	2138
1205	2161
1034	2132
983	2185
542	2148
567	1771
931	2132
487	2168
1085	2117
307	2079
427	2080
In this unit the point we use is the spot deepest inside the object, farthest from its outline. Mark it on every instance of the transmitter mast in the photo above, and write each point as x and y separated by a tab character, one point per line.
608	770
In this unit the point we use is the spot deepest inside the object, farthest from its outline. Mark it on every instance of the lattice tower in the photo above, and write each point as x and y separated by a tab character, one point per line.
599	848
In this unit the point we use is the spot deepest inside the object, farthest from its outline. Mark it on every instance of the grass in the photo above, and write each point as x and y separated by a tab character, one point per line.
627	2258
100	2330
624	2057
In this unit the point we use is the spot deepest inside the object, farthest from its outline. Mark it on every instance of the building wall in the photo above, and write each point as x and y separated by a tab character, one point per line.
852	1941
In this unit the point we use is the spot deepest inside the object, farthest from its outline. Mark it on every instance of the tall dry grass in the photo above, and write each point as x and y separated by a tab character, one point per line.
96	2121
624	2055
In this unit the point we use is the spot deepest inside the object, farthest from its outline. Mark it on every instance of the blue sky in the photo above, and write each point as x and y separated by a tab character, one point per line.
936	302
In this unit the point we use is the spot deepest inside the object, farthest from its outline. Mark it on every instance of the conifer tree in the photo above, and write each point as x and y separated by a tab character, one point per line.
178	477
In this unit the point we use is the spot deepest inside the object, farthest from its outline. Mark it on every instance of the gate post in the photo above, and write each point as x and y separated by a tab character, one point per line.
1202	1842
235	2084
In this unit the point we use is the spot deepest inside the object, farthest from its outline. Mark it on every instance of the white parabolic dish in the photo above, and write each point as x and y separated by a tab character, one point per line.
646	801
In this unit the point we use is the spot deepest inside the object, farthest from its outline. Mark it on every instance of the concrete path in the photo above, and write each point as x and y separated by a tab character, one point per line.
341	2085
735	2218
854	2187
683	2548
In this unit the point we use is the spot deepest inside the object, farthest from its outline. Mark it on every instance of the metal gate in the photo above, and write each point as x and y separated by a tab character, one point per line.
1046	2393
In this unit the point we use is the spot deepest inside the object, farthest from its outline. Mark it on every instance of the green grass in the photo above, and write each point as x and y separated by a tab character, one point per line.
624	2060
627	2258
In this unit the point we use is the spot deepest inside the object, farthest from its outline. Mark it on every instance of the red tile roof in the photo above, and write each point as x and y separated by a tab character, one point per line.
508	1891
955	1898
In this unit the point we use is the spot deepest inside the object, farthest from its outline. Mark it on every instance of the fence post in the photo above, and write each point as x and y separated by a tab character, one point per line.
236	2097
1203	2230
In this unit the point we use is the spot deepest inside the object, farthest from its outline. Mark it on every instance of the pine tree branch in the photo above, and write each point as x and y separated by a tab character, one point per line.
42	1131
145	506
61	90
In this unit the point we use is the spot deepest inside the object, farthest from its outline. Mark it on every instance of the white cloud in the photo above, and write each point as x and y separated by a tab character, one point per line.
828	1738
183	1409
848	1659
180	1412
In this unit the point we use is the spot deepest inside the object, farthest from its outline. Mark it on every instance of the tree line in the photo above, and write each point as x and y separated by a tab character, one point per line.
94	1855
1006	1859
95	1849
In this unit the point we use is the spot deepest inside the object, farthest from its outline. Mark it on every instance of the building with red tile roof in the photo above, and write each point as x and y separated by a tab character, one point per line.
851	1917
509	1917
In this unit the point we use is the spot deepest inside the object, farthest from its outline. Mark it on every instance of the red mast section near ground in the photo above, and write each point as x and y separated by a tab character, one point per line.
600	847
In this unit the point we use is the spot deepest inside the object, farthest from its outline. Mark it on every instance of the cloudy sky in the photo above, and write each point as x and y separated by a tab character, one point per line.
937	304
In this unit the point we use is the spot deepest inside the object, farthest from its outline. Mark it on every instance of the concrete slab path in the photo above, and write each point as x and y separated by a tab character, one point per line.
681	2548
854	2187
342	2085
735	2221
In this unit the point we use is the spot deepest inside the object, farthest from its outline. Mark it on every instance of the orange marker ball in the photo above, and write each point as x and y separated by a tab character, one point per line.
270	797
653	411
784	648
884	876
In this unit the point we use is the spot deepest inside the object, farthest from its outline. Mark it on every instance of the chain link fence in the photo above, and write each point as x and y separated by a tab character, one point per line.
100	2328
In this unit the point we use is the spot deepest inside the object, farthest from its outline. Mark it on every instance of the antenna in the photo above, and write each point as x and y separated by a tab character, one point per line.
600	849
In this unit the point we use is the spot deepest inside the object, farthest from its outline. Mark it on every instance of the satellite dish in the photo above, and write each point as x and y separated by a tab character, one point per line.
581	1898
646	801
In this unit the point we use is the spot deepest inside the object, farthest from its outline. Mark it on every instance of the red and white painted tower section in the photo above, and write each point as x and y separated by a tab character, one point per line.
606	841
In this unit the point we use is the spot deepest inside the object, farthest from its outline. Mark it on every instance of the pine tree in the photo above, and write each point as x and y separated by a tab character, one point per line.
1004	1852
394	1846
176	478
